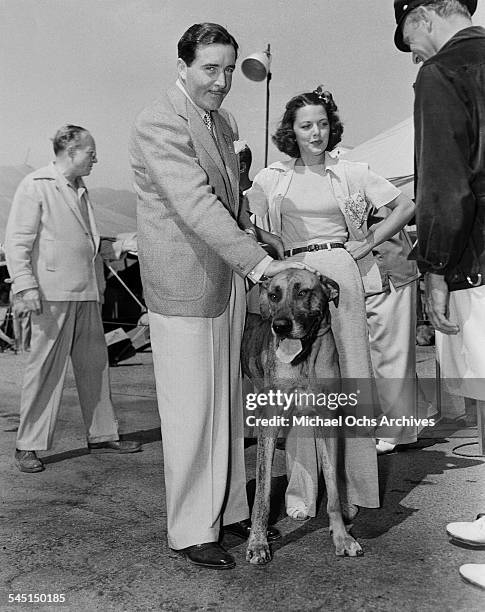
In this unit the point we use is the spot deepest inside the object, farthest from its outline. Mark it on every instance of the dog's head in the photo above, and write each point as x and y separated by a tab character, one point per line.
296	302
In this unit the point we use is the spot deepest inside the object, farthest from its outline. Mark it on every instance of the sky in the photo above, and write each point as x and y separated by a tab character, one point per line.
97	63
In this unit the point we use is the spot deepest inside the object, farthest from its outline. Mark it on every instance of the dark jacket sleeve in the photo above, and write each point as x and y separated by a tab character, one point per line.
445	203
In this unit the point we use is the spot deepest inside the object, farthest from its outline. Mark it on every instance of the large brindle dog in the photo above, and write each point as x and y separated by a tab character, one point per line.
294	306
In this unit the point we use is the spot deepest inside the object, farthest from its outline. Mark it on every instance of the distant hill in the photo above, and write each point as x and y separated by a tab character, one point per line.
10	177
117	200
114	209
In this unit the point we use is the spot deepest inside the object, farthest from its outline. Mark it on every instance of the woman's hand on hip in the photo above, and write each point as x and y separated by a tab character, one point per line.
358	248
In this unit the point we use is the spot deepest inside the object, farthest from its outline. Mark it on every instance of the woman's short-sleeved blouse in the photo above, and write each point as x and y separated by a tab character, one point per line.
309	209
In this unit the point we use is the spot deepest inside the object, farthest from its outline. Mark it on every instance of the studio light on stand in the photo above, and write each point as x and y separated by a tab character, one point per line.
256	67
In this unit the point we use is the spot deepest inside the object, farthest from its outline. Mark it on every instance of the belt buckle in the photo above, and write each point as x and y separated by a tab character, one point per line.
312	247
477	283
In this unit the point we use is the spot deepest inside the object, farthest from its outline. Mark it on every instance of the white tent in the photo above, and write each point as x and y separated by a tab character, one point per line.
390	154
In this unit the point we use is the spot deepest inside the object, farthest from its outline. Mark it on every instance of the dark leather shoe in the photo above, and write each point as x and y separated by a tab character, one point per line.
27	461
210	555
243	529
115	446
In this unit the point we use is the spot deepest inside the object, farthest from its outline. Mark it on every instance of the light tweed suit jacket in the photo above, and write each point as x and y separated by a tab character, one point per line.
48	244
189	241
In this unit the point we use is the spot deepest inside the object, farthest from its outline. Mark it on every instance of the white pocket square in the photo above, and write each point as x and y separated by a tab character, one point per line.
239	145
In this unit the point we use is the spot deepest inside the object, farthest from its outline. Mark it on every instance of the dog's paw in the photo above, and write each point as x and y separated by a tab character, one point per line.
258	553
346	546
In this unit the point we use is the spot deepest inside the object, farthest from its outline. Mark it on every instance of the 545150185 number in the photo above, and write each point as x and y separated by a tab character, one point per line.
36	598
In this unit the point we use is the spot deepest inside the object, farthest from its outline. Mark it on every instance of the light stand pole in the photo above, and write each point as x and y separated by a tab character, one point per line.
256	67
268	79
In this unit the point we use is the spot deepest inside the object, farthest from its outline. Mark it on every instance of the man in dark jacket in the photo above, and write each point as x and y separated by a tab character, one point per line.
449	117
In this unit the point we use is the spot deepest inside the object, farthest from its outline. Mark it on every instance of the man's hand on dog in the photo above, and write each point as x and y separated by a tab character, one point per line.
279	266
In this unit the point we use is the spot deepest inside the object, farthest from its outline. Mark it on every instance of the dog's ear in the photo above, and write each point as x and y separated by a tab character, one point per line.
332	288
264	300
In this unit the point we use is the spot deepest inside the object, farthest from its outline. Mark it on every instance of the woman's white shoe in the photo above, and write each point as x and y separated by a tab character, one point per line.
474	573
471	532
384	448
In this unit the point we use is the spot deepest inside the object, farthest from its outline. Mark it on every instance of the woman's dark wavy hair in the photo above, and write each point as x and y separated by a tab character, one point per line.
284	137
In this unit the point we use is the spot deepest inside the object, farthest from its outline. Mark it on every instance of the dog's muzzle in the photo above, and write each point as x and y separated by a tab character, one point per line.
282	327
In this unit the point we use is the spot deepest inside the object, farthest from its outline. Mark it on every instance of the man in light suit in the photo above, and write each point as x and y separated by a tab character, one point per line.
51	245
195	252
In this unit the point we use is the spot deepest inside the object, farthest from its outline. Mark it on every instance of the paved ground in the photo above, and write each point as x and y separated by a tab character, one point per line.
93	527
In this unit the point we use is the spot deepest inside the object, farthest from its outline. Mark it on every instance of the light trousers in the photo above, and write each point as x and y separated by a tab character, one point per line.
462	356
197	372
358	465
391	318
63	330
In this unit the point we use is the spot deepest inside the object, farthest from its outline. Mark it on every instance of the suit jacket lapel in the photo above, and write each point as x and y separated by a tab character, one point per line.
205	138
200	132
92	221
68	198
225	140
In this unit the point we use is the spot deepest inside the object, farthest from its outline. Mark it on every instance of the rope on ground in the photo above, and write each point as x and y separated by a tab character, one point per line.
464	454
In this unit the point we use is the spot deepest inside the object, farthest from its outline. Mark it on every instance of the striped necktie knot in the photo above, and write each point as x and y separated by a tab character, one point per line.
207	119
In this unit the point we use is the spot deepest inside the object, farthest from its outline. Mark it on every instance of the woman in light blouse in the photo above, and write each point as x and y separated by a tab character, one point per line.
318	205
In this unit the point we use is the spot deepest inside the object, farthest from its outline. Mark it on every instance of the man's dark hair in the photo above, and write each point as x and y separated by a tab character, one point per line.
285	138
203	34
66	136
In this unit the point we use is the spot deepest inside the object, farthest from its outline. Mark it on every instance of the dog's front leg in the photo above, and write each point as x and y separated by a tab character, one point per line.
258	550
345	544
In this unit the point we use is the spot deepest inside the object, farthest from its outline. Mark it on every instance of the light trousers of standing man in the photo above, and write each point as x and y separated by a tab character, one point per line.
63	330
197	372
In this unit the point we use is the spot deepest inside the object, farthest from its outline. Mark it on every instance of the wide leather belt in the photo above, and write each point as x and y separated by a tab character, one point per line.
325	246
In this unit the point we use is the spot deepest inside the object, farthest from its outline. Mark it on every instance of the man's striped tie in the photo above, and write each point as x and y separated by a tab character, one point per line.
207	119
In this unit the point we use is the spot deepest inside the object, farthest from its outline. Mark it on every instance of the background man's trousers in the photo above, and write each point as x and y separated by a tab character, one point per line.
462	356
391	317
197	373
66	329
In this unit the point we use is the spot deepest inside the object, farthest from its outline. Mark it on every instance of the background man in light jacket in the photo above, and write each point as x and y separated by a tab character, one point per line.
194	255
51	244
